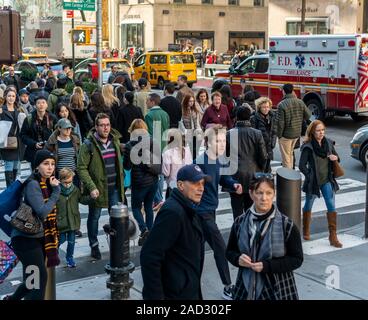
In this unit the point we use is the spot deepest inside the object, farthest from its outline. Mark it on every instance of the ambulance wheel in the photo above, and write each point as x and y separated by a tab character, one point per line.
318	112
357	117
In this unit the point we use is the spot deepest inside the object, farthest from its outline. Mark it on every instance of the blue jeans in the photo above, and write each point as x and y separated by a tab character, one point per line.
12	165
158	196
328	196
145	196
94	214
70	237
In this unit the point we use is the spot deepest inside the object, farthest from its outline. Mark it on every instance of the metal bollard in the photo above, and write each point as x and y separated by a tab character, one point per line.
288	195
120	265
50	292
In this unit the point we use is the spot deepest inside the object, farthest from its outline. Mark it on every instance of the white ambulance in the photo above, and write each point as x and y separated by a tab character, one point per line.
329	72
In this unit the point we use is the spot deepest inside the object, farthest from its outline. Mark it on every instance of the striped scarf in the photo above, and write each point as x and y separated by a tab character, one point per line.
51	232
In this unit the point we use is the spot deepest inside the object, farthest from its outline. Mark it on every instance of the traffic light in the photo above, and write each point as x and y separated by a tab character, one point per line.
81	36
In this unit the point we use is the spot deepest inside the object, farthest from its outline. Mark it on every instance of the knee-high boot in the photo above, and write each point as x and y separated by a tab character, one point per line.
332	226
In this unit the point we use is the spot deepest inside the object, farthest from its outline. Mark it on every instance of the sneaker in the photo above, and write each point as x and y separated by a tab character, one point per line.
79	234
143	237
228	293
95	253
70	263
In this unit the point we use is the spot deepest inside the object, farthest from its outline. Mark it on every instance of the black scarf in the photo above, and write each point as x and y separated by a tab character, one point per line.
320	150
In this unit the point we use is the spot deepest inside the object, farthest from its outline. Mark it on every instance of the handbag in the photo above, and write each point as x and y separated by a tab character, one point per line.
337	169
26	221
8	260
12	143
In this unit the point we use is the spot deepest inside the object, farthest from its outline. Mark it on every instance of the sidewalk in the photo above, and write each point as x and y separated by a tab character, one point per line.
311	278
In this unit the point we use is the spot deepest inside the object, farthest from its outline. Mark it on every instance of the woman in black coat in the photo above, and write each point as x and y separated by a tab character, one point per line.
266	247
317	159
10	112
264	119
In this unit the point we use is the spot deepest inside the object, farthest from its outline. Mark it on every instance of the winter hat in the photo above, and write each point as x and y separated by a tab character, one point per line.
42	155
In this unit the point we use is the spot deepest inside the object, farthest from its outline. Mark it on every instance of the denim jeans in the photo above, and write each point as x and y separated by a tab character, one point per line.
70	237
94	214
12	165
143	195
328	195
158	196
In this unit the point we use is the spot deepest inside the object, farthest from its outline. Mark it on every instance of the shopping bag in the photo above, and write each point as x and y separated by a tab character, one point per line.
4	131
8	260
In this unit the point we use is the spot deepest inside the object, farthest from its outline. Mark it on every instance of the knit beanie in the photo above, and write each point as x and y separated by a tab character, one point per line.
42	155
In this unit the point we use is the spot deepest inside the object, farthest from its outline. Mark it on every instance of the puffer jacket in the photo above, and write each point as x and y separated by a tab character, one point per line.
68	216
267	125
140	175
291	112
250	151
308	165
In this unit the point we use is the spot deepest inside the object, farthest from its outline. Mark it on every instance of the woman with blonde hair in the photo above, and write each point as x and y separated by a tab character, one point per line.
112	102
176	156
144	176
316	163
264	119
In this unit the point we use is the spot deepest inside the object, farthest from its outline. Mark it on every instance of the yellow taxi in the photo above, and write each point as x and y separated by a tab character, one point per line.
34	56
165	67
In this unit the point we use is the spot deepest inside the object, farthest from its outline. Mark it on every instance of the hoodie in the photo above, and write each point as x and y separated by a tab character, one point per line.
54	97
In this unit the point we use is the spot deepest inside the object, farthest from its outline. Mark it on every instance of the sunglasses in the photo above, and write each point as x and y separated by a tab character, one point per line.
262	175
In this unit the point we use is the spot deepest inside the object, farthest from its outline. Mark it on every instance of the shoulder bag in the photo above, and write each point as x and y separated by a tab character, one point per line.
26	221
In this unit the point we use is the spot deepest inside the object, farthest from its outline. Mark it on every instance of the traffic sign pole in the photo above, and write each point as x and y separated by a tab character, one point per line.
73	51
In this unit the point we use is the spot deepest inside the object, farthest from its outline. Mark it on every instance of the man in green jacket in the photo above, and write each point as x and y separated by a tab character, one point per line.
100	169
291	112
58	95
156	117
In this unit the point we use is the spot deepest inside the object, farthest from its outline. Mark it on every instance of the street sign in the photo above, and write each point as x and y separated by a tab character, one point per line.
79	36
84	5
70	14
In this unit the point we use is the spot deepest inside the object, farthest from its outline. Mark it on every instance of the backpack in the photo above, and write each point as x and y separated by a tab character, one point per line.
10	200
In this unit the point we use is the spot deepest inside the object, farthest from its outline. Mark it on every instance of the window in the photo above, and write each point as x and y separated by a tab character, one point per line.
207	1
183	58
132	35
311	26
141	61
258	3
248	67
124	1
262	66
140	1
233	2
158	59
179	1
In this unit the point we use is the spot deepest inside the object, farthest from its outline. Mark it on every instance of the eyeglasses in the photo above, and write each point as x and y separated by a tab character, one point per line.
263	175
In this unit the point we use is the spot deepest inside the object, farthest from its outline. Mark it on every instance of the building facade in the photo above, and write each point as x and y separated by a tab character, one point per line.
322	17
222	25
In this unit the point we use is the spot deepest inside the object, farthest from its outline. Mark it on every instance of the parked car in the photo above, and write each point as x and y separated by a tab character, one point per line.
359	145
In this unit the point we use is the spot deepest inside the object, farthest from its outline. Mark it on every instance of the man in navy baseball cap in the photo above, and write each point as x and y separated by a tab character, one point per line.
176	239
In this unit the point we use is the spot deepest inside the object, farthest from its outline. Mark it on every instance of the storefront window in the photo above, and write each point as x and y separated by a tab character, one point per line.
207	1
195	41
312	27
132	35
247	41
233	2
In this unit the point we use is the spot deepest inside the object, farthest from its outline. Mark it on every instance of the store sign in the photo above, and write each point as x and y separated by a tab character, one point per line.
310	9
43	38
132	16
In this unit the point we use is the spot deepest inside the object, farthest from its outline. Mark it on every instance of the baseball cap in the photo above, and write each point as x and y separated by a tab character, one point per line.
64	124
192	173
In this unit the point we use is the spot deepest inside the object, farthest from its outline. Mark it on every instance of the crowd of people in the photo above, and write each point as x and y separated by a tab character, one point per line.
90	150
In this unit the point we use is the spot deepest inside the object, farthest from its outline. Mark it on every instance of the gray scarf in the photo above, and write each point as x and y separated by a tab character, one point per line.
260	240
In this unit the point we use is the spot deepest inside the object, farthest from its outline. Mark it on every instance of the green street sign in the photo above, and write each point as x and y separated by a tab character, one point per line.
84	5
